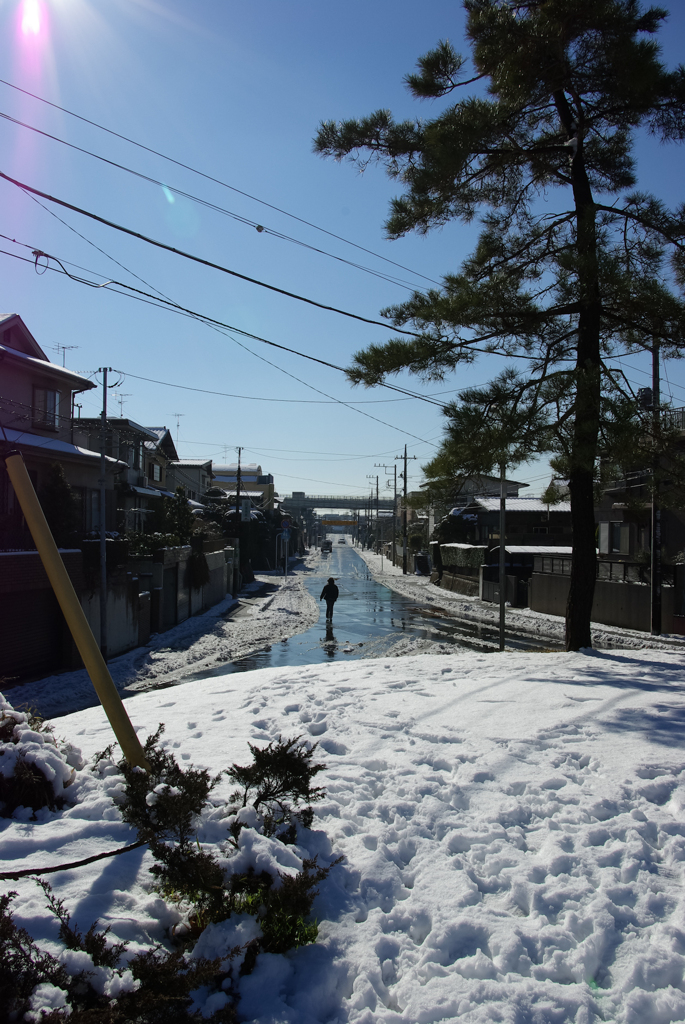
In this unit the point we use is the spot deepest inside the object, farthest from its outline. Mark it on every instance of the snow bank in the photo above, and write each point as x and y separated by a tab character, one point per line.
201	642
534	625
513	827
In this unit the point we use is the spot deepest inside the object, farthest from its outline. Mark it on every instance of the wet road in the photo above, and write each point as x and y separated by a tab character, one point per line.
369	621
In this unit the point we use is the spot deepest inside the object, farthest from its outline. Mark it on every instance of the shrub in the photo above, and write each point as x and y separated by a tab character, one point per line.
164	805
34	770
92	985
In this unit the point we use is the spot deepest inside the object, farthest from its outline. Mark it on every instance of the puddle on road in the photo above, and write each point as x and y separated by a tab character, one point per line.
369	621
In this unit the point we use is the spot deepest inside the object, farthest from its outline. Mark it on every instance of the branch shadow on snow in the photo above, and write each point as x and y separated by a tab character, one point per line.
663	723
667	676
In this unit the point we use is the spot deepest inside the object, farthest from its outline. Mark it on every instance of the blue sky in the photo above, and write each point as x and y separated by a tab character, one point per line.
237	90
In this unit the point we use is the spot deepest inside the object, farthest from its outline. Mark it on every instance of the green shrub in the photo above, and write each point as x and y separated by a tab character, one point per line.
164	806
157	990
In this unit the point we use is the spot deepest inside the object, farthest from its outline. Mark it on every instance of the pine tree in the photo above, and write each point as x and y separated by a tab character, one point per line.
569	83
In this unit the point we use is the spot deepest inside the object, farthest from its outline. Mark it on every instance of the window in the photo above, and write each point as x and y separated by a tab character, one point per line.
615	536
539	529
45	408
155	472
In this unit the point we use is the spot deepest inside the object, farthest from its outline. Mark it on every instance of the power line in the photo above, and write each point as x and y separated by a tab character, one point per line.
260	398
217	181
165	302
211	206
200	260
89	242
200	318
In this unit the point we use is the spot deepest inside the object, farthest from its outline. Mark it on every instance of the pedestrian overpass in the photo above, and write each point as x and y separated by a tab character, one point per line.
298	501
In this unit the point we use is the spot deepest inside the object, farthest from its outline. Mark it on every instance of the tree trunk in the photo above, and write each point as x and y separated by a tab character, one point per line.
587	404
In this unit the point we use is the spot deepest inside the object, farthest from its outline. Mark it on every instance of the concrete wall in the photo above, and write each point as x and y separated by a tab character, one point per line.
457	584
34	638
124	628
149	598
615	604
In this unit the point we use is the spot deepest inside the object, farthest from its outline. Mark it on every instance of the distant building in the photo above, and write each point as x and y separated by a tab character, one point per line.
255	484
194	475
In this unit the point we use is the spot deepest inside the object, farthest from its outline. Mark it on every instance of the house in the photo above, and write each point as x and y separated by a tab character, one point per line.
254	484
529	521
484	486
194	475
141	470
158	454
36	399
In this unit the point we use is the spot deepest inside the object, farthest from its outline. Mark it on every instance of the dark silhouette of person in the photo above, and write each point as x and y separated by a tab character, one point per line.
330	592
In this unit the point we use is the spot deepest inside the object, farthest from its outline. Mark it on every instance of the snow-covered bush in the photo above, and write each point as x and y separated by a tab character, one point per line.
90	980
255	876
35	770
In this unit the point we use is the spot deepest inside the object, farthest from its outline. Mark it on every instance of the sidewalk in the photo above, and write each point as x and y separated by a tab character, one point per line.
230	630
535	624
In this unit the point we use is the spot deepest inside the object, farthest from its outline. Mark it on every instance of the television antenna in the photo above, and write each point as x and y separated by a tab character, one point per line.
120	397
178	416
64	349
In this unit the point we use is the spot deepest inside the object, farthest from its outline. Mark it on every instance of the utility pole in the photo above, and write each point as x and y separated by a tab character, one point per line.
656	510
404	511
238	527
394	516
384	465
502	552
104	370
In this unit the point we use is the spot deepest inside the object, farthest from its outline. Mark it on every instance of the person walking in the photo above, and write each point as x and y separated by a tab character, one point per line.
330	592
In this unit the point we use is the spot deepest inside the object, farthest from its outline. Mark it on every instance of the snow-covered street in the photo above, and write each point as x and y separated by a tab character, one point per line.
513	829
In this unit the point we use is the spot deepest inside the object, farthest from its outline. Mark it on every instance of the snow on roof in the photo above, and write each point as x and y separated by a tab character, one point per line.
44	365
469	547
521	505
51	444
190	462
243	493
251	469
536	549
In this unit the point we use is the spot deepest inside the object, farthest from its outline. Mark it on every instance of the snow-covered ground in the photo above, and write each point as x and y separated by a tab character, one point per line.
524	620
230	630
513	829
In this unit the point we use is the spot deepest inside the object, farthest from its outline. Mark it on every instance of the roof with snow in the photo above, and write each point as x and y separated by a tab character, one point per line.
191	462
75	380
51	444
521	505
248	471
536	549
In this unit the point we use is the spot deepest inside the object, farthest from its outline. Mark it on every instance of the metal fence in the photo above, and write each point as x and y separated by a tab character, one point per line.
614	572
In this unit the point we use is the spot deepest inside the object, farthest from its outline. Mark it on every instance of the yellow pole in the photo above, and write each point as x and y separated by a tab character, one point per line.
73	612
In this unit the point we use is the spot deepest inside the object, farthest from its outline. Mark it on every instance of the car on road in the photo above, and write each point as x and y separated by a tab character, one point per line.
326	545
342	541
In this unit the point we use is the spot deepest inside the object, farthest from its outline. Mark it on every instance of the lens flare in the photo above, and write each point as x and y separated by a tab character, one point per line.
30	18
